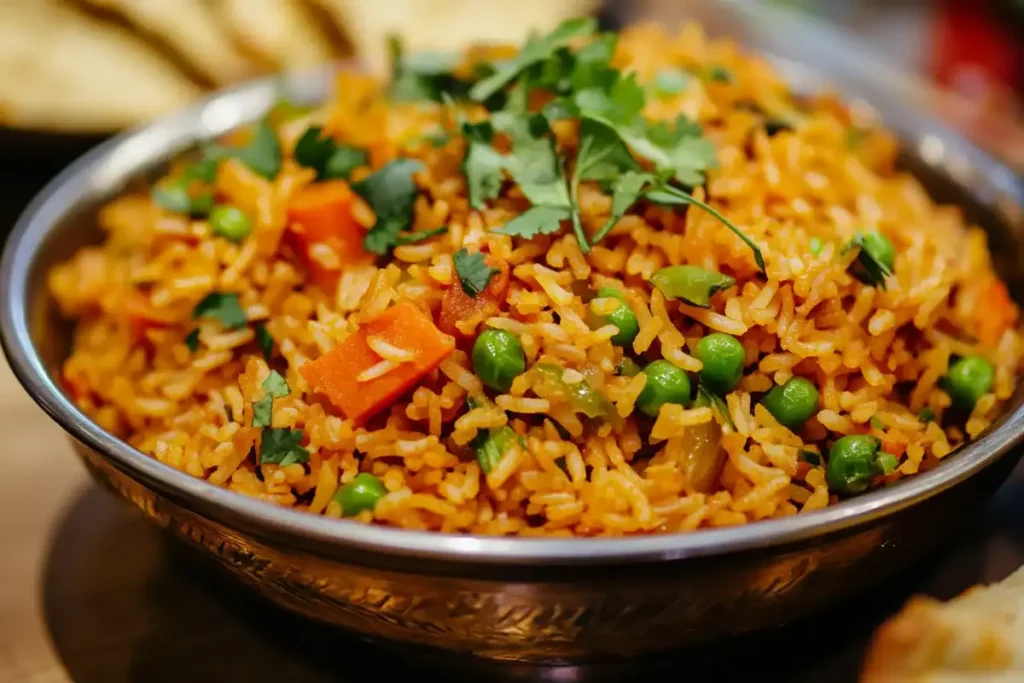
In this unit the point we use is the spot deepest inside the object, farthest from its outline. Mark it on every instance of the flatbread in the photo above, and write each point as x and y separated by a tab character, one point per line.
445	25
281	32
977	637
189	28
65	71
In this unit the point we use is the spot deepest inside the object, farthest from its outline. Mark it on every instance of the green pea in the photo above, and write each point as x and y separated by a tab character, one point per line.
230	222
723	358
853	463
622	317
498	359
968	380
362	493
665	384
793	403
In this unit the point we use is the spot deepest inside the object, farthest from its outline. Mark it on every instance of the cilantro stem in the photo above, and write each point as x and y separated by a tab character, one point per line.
685	198
577	224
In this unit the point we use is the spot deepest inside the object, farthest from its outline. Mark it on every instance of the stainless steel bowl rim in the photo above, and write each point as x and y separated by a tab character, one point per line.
100	174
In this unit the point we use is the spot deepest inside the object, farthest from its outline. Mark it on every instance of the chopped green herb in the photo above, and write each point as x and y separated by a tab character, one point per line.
473	271
281	447
328	159
680	147
626	189
692	284
420	235
540	220
275	385
492	446
875	260
816	245
719	74
192	340
262	154
483	165
877	424
264	341
343	161
391	193
810	457
534	52
262	411
669	82
602	154
224	307
888	462
926	414
708	398
204	171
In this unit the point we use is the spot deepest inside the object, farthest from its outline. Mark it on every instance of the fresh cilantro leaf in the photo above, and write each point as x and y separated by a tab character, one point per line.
617	105
265	341
281	447
680	147
533	52
262	154
313	149
670	196
414	237
669	83
192	340
926	414
602	155
534	164
717	405
592	66
343	161
391	193
328	159
810	457
224	307
473	271
262	411
275	385
483	168
559	109
540	220
204	170
626	190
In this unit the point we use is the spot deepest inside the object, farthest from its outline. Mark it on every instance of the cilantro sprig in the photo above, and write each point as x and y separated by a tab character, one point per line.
329	159
222	306
262	154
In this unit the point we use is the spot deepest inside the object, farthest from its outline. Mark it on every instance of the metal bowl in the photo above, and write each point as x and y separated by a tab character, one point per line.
524	599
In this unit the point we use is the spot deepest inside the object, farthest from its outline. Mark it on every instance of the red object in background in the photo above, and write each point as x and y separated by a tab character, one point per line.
976	50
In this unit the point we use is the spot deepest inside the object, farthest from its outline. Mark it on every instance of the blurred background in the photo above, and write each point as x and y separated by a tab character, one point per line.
75	71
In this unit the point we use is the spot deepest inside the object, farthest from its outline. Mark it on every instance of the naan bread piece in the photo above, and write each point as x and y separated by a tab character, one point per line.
445	25
977	637
280	32
65	71
191	30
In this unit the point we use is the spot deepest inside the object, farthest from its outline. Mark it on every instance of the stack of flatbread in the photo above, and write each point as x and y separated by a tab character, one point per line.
99	65
977	637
